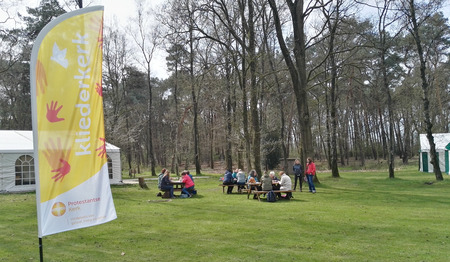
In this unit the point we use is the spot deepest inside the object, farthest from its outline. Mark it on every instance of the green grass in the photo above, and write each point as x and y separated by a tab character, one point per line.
362	216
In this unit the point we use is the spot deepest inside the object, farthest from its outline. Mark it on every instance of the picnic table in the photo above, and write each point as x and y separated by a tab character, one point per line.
232	185
253	187
177	187
260	192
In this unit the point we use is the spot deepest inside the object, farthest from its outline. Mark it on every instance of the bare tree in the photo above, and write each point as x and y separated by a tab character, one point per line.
115	57
296	63
147	39
333	18
414	23
383	44
224	13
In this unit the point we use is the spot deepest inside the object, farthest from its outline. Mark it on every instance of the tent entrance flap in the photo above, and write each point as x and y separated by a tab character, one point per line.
447	164
424	162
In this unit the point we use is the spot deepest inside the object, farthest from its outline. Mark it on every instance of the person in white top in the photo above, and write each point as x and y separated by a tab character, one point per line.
285	181
285	184
241	179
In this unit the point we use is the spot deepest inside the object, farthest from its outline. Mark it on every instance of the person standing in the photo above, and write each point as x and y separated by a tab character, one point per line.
310	173
298	173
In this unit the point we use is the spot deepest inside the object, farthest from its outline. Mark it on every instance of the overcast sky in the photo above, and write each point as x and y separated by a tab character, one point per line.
114	10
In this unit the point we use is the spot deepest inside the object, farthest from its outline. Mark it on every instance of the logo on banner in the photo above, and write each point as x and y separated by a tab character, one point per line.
58	209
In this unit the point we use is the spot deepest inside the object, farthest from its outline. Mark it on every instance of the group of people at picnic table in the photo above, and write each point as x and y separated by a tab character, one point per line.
269	180
165	183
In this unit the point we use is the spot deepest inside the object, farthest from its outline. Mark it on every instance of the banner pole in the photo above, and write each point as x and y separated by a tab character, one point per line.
41	255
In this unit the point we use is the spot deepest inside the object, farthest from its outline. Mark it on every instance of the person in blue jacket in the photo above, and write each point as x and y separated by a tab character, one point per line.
228	180
253	174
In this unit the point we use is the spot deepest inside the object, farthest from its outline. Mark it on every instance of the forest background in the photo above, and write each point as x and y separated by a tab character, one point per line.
252	82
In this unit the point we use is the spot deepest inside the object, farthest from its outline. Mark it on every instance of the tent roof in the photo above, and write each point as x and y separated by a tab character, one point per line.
12	141
21	141
442	140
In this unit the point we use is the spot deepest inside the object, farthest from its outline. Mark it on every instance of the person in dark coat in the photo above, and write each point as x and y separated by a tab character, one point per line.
228	180
298	174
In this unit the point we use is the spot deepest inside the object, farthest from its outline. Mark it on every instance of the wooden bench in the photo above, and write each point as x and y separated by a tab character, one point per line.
233	185
166	193
259	193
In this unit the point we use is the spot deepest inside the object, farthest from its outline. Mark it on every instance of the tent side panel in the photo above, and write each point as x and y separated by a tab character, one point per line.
117	169
8	174
443	161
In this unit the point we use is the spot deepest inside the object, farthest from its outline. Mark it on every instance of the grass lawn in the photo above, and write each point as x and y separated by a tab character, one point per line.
362	216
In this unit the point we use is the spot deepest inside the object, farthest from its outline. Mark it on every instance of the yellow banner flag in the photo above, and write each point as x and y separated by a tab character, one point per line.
68	125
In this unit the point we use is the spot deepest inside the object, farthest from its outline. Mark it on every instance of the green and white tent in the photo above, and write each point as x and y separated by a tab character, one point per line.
442	142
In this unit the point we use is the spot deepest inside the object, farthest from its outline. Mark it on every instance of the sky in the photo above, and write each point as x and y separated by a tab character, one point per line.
122	11
114	10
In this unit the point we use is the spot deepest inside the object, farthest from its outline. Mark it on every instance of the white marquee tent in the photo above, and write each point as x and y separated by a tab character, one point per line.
17	162
442	142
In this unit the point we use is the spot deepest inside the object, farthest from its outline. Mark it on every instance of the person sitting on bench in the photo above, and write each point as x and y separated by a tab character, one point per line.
275	185
166	185
160	176
266	182
285	184
188	188
228	180
241	179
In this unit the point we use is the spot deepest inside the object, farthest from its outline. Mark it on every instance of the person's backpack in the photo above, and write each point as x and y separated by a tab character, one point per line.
159	180
271	197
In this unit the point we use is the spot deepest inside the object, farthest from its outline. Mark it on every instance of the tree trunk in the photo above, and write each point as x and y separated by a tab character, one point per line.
281	103
194	101
254	91
247	139
175	162
425	89
383	133
228	153
333	92
391	140
297	70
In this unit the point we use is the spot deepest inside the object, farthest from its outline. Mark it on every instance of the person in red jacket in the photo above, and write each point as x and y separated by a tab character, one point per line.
310	173
188	188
